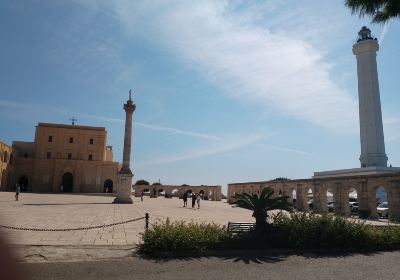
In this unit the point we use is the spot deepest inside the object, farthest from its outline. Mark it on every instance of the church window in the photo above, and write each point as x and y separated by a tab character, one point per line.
48	155
71	139
90	157
69	155
91	141
50	138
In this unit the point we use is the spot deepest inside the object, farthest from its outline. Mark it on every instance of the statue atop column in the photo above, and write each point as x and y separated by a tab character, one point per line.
125	175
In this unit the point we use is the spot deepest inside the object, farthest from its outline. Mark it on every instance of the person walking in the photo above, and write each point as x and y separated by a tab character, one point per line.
141	196
185	197
193	200
198	201
17	191
62	188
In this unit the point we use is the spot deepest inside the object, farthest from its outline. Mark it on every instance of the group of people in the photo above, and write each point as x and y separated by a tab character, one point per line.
195	199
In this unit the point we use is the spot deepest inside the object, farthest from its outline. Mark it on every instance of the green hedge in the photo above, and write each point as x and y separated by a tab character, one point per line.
308	231
299	231
182	236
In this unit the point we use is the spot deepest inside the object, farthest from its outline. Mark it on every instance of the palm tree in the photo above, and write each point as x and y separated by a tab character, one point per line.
380	10
261	204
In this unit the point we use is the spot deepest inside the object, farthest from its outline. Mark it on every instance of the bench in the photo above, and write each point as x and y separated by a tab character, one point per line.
239	227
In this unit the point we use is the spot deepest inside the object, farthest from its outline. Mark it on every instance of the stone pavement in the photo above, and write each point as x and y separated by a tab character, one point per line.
55	211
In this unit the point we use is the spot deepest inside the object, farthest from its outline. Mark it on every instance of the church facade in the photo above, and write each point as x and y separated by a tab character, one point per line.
63	158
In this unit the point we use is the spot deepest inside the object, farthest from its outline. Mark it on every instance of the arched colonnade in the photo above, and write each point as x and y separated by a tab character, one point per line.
208	192
315	190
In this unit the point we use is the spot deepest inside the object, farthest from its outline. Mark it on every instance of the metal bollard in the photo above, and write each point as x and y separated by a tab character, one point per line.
146	218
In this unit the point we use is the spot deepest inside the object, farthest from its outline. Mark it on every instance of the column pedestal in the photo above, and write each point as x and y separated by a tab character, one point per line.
124	185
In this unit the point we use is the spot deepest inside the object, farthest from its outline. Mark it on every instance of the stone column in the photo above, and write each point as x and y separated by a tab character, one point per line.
371	128
302	198
124	178
393	193
319	199
364	210
341	200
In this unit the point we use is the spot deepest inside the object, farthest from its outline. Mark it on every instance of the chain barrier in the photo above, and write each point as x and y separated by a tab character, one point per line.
79	228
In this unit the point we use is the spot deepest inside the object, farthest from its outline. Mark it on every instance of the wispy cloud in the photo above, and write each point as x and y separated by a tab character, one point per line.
177	131
220	147
284	73
282	149
383	33
38	109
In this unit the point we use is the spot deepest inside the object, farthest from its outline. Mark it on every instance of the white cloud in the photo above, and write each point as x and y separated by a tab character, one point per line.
283	73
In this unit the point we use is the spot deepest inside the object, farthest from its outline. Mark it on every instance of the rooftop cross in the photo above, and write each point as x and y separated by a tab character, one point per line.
73	120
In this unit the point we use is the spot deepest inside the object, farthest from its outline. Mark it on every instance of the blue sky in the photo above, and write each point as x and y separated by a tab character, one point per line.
226	91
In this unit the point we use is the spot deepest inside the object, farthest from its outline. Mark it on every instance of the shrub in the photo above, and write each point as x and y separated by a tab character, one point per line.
299	231
305	231
182	236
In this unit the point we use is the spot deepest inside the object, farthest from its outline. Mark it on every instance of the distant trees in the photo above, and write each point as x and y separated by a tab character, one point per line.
142	182
156	184
379	10
281	179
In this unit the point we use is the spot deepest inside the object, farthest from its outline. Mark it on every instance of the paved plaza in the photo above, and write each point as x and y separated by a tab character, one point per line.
67	211
56	211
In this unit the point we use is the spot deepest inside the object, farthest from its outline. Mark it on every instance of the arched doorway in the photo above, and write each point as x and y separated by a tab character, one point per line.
330	200
310	198
382	205
67	182
23	183
160	192
353	201
108	186
293	195
175	192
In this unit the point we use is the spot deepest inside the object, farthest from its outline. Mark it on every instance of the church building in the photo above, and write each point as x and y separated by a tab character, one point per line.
62	158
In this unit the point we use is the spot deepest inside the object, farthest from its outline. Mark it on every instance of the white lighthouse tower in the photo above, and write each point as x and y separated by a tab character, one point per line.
371	128
373	157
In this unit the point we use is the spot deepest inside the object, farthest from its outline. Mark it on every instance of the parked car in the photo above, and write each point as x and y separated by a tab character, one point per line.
354	207
383	210
330	206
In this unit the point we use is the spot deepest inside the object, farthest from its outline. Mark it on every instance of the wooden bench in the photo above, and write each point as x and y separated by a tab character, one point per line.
239	227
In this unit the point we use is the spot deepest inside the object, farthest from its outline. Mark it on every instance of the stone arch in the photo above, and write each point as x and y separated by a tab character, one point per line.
330	199
175	192
160	192
108	186
352	195
382	201
67	182
310	197
210	195
293	196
